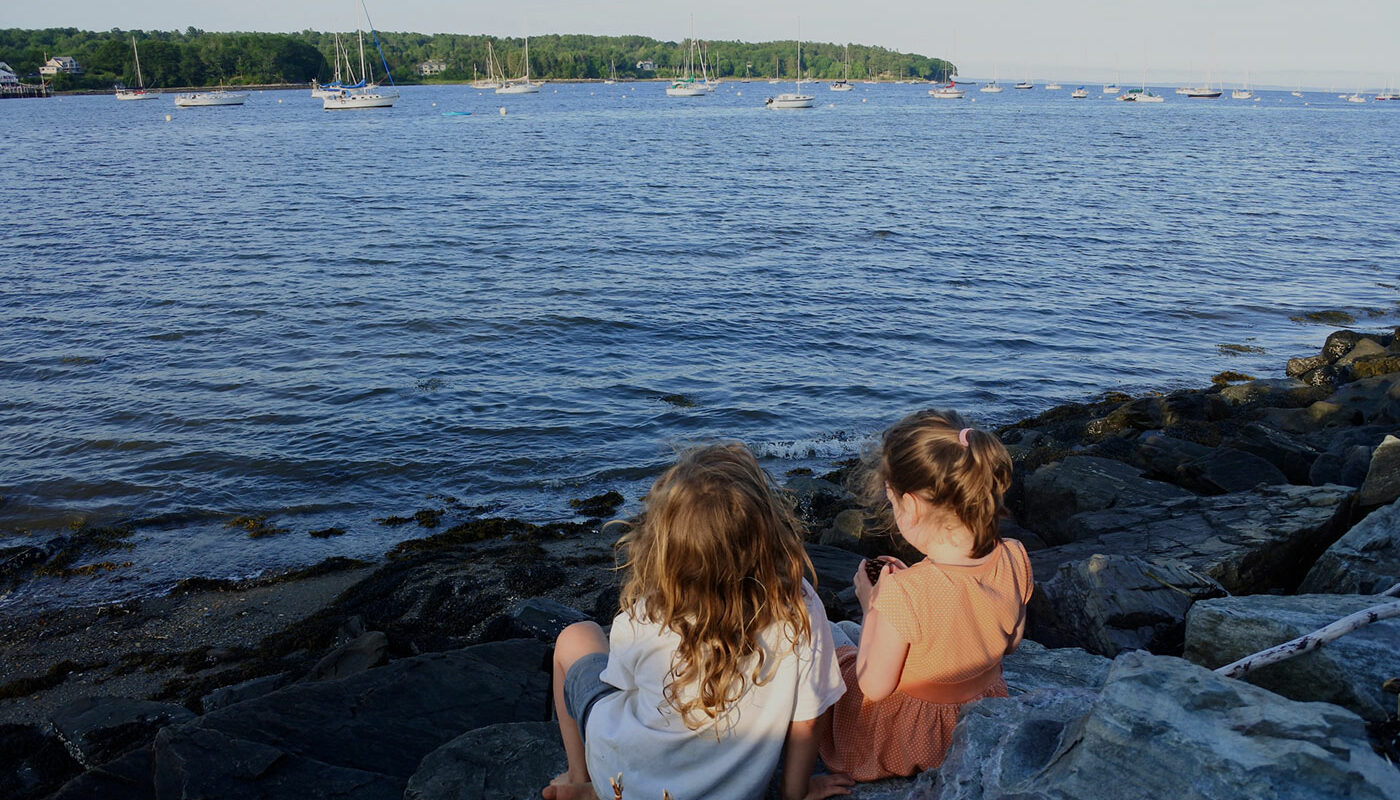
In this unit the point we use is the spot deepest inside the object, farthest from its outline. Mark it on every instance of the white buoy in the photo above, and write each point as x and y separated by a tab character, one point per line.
738	94
434	105
865	99
167	117
279	101
503	111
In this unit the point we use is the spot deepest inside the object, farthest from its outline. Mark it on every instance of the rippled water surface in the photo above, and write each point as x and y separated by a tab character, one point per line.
327	318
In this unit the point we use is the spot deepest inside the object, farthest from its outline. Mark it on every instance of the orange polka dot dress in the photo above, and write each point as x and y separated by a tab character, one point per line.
959	621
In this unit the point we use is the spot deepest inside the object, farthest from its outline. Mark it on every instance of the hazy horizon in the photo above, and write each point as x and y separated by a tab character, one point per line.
1283	44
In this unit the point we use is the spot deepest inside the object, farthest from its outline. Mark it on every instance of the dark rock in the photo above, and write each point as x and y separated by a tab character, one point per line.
529	580
99	729
1382	483
1150	413
1109	604
1326	375
358	738
1161	727
509	761
1338	344
602	505
1034	667
432	601
1366	560
1250	542
607	604
846	530
1301	366
1292	456
1347	671
33	762
126	778
1364	348
1345	467
1056	492
835	568
1162	457
1373	366
1260	391
247	690
539	618
1225	469
366	651
1368	400
818	501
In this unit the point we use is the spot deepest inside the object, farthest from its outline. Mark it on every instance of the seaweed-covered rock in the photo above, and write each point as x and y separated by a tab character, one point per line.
1250	542
508	761
1338	344
1056	492
1347	671
1366	560
1261	391
1301	366
1161	727
1111	603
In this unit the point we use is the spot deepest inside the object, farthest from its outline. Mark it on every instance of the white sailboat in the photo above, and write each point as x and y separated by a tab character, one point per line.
793	99
1080	93
139	93
495	76
1053	86
993	87
947	91
337	80
522	85
364	94
612	74
1244	92
688	86
844	85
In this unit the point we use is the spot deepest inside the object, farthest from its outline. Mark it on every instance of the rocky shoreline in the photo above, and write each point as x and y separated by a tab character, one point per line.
1171	534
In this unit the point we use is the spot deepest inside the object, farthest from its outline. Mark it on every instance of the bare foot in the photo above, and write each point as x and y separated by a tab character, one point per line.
563	790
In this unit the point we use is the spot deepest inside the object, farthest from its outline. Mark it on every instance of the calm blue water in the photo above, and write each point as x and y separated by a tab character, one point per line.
327	318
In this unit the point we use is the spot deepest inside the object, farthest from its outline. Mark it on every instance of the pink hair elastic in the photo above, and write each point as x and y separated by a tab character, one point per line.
962	436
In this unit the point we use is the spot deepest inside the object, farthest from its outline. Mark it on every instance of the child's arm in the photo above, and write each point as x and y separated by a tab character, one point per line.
880	662
799	758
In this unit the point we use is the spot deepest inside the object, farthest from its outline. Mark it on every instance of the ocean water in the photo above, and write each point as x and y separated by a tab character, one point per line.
328	318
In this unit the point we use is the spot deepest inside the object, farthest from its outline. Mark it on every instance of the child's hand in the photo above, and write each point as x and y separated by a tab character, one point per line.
823	786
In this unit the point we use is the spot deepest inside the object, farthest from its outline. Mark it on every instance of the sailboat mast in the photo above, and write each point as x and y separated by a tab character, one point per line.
527	51
363	74
140	84
799	56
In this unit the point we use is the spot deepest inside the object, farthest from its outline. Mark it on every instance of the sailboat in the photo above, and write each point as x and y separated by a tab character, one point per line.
1244	92
612	73
993	87
495	76
522	85
364	94
793	99
687	86
844	85
1080	93
139	93
1204	90
1052	86
775	70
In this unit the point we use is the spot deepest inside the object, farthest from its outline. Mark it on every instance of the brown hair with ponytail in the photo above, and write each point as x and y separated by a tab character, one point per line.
939	457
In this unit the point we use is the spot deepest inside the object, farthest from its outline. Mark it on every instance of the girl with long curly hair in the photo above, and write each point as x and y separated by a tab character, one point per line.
721	658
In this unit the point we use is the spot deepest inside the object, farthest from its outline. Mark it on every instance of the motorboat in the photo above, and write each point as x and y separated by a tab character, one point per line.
1080	93
215	98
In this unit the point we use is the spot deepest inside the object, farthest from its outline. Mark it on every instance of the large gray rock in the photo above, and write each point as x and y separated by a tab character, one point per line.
1366	560
541	618
510	761
1291	455
1382	484
366	651
98	729
1250	542
1034	667
1348	671
1056	492
358	738
1111	603
1225	469
1161	727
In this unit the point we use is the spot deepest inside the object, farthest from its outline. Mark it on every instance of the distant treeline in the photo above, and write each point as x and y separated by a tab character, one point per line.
198	58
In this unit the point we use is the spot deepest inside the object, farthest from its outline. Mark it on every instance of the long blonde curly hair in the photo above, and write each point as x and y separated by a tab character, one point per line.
716	557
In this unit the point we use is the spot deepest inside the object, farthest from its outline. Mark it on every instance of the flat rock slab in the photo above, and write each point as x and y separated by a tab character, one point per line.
1161	727
1348	671
1057	492
99	729
360	737
510	761
1035	667
1250	542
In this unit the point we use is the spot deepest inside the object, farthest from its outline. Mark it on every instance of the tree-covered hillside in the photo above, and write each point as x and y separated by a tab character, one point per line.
196	58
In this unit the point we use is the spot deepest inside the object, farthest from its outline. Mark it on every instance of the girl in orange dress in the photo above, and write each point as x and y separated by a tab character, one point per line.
933	634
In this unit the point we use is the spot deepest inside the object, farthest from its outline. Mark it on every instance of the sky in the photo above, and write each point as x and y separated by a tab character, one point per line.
1345	44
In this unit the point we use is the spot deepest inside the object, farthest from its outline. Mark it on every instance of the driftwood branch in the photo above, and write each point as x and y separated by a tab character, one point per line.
1393	591
1314	640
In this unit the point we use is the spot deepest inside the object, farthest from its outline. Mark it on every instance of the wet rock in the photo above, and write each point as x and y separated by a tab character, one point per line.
602	505
1250	542
33	762
1301	366
432	601
529	580
1338	344
1382	483
1150	413
358	738
1290	455
99	729
510	761
1366	560
1056	492
366	651
1347	671
1111	603
1035	667
1161	727
539	618
1260	391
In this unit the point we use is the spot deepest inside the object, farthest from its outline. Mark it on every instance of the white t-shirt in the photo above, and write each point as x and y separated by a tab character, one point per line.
636	733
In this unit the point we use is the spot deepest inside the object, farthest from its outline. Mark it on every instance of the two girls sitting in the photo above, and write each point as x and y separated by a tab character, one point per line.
722	662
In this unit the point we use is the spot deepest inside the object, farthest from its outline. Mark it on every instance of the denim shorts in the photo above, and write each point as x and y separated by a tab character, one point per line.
583	687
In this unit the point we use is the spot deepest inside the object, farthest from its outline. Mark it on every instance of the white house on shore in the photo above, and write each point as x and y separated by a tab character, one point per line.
647	66
7	75
432	67
66	65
